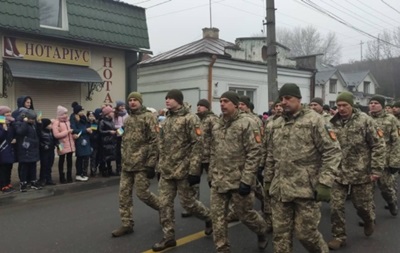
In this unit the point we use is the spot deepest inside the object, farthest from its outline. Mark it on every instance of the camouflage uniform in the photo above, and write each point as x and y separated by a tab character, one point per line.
300	154
139	151
234	160
180	155
388	123
327	117
363	154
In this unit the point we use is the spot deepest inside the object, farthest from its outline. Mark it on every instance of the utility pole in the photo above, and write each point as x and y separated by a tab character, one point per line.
210	15
379	49
271	52
361	51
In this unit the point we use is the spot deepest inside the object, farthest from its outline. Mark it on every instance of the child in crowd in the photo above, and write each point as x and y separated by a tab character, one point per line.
120	115
47	146
63	133
81	127
27	148
94	142
6	149
108	135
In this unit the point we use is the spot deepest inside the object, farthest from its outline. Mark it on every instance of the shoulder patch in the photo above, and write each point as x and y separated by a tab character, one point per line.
331	133
257	136
157	128
379	132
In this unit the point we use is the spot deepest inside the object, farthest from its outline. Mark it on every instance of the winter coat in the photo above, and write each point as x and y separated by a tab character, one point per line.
95	136
47	140
82	144
61	133
7	154
108	140
27	142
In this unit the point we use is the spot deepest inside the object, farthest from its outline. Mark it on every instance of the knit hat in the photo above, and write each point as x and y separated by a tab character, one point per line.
379	99
4	109
245	100
326	108
77	109
136	95
120	103
396	104
175	95
61	110
318	101
107	110
290	89
232	96
204	102
45	122
278	101
97	113
251	107
346	97
30	114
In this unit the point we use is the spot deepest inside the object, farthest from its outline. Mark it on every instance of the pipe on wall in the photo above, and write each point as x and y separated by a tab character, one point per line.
210	78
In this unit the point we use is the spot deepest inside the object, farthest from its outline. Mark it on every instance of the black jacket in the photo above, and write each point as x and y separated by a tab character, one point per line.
108	140
27	142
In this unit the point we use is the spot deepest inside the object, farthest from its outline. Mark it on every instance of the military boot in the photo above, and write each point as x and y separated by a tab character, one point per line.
336	244
209	228
393	209
262	241
369	228
164	244
122	231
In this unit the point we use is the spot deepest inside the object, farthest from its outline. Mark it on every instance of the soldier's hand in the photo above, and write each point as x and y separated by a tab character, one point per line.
267	185
322	193
150	172
393	170
260	176
374	177
193	180
244	189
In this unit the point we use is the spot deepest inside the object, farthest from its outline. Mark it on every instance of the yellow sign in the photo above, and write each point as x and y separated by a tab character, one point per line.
46	52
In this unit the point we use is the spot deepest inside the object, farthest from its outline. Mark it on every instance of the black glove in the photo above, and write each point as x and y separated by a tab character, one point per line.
210	184
193	180
244	189
150	172
158	174
393	170
260	176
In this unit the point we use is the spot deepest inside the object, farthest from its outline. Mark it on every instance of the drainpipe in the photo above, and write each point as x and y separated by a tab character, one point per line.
210	75
312	84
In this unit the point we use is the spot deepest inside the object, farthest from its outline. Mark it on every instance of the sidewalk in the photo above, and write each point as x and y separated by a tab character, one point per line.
53	190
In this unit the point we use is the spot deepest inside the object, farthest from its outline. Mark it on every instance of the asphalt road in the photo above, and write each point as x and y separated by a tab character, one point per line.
83	221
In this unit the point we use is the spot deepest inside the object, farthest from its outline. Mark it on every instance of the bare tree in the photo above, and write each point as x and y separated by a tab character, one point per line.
308	40
386	47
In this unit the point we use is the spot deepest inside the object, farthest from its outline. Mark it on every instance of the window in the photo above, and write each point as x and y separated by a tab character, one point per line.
332	86
53	14
367	87
332	104
244	92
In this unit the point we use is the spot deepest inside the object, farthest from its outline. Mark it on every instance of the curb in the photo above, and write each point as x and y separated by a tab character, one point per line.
57	190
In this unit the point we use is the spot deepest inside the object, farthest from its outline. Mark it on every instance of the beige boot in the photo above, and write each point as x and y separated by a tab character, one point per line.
122	231
336	244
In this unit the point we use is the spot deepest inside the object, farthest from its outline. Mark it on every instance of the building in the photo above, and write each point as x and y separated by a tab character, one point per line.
62	51
208	67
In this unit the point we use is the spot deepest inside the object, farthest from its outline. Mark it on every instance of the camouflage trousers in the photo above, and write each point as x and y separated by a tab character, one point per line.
387	185
168	188
243	207
141	183
302	217
362	197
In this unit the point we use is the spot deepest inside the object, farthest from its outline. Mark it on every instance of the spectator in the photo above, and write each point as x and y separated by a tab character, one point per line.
94	142
120	115
6	150
47	146
108	136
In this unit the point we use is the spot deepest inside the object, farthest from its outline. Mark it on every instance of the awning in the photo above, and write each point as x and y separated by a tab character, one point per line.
52	71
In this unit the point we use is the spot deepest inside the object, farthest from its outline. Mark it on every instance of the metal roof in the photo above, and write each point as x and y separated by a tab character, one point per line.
323	76
210	46
354	78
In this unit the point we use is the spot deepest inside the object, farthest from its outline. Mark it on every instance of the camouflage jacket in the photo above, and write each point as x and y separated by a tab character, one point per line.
208	120
265	138
327	117
362	148
235	152
301	153
389	124
139	141
180	145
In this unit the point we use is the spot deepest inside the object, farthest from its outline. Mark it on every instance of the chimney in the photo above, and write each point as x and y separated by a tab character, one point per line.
211	33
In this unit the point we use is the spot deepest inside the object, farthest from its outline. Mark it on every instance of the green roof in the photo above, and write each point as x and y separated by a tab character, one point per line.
105	22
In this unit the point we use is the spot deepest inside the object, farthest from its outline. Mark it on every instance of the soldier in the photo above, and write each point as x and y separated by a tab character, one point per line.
302	159
318	105
233	166
389	124
396	111
208	119
363	149
180	153
139	154
389	109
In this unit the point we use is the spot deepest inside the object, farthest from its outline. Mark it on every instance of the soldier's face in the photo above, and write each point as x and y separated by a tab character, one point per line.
227	107
171	104
396	110
201	109
290	104
344	109
278	109
375	106
134	104
243	107
389	109
316	107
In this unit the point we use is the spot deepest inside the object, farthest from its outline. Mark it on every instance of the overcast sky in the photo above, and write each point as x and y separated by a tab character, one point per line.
174	23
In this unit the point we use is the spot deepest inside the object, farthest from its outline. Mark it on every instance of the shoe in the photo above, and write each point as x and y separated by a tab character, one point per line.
262	241
122	231
35	185
164	244
81	178
50	183
63	181
209	228
336	244
86	178
23	187
41	183
7	189
393	209
104	174
186	214
361	223
369	228
69	180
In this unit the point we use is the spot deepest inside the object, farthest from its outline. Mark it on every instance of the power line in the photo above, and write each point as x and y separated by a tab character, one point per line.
159	4
391	7
375	10
183	10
